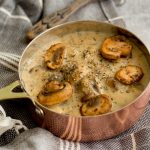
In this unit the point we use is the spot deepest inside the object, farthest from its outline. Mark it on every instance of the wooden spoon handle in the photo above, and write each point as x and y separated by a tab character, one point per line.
55	18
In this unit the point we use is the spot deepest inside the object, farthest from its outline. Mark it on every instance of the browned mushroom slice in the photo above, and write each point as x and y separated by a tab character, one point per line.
114	47
97	105
54	56
110	82
129	74
89	88
58	93
53	86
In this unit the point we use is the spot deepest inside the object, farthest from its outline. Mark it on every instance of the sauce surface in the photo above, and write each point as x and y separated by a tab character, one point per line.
83	47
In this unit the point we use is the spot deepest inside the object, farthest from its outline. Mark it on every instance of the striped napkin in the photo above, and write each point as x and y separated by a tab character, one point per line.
16	16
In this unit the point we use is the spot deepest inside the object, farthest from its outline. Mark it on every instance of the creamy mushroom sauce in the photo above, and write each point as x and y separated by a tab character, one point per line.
83	48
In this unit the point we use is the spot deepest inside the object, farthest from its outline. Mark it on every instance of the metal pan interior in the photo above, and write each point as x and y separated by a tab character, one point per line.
81	35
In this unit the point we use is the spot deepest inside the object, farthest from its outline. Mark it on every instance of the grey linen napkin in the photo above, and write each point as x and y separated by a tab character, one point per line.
16	16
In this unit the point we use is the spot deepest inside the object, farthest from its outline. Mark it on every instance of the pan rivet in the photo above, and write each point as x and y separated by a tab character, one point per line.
39	112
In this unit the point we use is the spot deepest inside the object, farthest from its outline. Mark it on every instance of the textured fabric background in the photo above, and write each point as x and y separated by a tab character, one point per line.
136	14
16	16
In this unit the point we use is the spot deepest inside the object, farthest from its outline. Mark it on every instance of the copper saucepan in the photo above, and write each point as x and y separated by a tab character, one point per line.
88	128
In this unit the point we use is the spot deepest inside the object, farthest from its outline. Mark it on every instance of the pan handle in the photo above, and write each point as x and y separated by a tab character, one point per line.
12	91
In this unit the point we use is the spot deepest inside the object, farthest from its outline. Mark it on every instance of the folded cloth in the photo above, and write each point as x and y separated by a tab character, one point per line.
7	123
40	139
16	16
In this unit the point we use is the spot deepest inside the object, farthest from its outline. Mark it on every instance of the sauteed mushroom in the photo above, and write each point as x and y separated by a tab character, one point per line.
89	88
54	56
55	92
110	82
114	47
53	86
129	74
97	105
